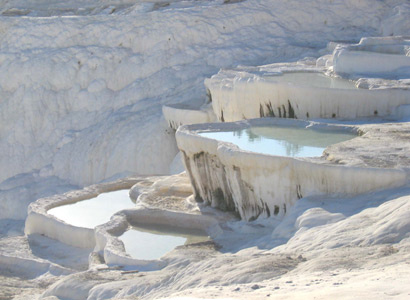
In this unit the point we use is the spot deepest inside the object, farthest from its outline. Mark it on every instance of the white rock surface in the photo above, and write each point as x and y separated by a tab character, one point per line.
18	192
391	54
269	91
82	84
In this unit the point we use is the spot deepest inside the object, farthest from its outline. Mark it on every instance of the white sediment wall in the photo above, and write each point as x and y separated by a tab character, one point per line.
177	115
347	62
238	96
45	224
256	185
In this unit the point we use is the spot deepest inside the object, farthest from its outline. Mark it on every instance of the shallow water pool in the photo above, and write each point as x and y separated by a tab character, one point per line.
281	141
95	211
152	242
313	79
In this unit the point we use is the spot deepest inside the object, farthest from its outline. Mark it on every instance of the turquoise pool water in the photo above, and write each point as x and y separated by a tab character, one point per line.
281	141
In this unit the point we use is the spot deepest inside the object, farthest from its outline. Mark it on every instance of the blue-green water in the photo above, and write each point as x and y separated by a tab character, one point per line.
281	141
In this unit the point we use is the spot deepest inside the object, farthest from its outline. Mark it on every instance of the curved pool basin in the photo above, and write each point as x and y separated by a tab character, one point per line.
95	211
281	140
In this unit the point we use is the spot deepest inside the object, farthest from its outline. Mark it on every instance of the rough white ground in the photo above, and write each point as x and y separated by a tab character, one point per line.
81	87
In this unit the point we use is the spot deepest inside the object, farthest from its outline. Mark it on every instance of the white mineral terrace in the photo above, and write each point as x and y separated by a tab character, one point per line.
256	184
303	90
111	225
301	95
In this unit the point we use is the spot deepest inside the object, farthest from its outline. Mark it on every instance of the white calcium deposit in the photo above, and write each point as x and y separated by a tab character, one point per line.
392	56
82	85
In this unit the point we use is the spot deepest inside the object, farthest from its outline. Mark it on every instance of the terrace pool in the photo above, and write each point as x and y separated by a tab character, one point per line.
95	211
149	243
281	141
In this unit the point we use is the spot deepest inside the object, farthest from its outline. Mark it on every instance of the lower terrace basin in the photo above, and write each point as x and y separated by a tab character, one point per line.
95	211
152	242
125	234
301	95
144	237
71	218
263	185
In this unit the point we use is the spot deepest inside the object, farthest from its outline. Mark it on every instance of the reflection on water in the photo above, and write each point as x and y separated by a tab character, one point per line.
95	211
313	80
153	242
282	141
